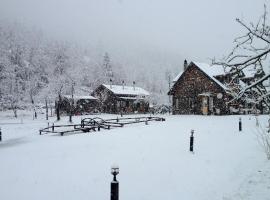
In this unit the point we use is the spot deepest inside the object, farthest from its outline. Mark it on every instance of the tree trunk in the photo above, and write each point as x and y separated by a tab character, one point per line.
57	110
51	109
15	112
46	104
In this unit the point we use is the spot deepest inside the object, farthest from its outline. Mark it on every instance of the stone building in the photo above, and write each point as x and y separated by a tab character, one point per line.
207	89
199	90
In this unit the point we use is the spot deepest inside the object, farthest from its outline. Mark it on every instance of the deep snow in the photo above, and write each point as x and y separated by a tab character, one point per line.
154	160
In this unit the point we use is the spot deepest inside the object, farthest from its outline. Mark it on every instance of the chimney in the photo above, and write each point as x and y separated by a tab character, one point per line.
185	65
123	84
134	85
111	83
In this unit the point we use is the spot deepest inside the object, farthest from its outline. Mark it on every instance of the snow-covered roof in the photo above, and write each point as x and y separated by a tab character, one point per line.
177	77
212	71
249	72
242	84
80	97
84	90
131	98
207	94
126	90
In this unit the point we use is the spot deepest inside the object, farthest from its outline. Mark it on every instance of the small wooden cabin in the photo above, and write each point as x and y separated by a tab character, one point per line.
122	99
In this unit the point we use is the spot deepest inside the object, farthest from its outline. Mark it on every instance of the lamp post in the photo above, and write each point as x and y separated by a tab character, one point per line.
114	183
240	124
191	141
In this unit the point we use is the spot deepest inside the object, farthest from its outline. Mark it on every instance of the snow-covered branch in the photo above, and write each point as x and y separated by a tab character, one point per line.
251	51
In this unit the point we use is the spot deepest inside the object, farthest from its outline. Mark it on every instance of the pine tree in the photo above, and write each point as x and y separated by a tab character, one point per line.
107	67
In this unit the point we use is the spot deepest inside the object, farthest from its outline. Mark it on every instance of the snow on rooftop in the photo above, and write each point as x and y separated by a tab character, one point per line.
249	72
127	90
80	97
212	71
242	84
177	77
131	98
84	90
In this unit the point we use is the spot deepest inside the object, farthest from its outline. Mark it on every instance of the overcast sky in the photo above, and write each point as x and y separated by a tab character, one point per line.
193	29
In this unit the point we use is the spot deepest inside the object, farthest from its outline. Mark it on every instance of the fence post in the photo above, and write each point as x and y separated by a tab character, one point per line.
0	135
53	127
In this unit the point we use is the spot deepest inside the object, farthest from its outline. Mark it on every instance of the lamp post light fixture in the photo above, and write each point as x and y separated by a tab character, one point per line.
114	183
240	124
114	172
191	141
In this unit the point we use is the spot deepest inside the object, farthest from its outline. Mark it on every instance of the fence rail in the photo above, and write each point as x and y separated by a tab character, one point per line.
97	123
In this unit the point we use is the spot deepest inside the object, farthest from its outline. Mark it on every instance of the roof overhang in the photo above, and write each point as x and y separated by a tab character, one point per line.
206	94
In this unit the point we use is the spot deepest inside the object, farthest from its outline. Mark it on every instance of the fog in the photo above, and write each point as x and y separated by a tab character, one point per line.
196	30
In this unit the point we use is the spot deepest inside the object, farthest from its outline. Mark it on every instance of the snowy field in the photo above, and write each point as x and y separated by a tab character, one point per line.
154	160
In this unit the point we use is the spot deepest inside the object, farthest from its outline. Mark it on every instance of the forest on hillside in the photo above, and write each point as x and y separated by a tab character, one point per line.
35	68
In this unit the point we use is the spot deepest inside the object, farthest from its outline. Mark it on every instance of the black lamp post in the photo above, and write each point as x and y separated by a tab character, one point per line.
114	183
240	124
191	141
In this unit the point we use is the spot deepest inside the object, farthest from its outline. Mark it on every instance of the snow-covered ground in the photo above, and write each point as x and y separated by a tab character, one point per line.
154	160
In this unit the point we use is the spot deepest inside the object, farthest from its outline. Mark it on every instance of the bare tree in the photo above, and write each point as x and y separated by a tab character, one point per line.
251	51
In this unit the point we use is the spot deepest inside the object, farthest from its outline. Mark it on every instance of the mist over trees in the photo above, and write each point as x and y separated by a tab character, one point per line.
34	68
